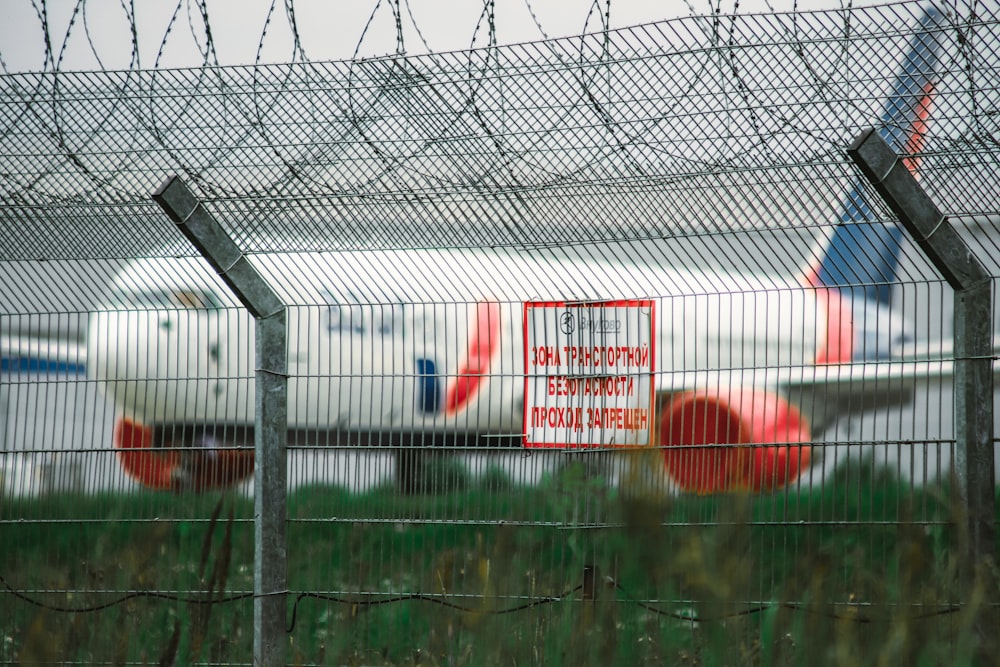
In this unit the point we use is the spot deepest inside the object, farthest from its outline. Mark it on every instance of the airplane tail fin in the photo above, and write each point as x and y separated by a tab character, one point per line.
861	259
862	252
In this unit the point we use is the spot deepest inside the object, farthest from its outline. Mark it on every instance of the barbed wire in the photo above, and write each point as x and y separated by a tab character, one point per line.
59	34
676	128
441	600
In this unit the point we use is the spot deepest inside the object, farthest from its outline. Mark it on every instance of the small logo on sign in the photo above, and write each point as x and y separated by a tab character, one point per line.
567	323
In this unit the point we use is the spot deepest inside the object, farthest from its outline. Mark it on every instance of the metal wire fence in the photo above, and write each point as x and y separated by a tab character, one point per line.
592	350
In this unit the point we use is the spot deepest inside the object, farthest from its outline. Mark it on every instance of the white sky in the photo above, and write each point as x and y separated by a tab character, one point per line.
96	34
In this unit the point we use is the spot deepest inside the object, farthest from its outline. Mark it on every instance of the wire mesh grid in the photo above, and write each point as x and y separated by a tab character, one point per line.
789	480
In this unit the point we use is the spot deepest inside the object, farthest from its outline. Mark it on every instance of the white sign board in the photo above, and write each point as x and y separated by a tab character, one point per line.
588	373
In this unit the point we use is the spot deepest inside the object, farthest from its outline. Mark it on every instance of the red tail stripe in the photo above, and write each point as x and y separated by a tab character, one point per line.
918	131
837	342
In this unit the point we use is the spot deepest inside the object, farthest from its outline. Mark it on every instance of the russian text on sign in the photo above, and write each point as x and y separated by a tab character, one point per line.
589	370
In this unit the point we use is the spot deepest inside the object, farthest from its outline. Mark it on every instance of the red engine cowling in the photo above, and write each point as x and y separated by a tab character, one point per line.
178	468
699	428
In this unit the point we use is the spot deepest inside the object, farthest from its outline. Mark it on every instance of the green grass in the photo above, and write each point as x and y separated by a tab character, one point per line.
865	571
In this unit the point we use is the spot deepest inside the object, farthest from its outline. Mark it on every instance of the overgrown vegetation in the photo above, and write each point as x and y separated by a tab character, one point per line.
865	571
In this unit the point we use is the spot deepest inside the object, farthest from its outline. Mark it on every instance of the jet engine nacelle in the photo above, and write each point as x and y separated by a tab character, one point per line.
203	465
715	441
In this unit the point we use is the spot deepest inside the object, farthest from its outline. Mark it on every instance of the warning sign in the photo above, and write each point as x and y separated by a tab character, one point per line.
588	373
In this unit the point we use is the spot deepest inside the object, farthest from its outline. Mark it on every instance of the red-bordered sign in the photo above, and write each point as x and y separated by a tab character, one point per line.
589	369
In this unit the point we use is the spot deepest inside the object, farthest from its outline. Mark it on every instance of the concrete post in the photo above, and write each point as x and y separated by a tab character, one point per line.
271	419
973	335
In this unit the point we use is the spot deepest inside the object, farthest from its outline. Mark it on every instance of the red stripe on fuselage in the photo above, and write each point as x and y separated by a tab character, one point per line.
484	341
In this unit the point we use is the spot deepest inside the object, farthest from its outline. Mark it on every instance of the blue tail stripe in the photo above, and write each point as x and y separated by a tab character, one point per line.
861	252
919	69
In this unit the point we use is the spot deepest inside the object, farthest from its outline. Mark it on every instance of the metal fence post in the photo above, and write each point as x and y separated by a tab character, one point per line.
973	334
270	421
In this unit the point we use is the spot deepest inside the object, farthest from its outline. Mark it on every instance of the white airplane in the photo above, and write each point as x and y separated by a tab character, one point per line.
421	345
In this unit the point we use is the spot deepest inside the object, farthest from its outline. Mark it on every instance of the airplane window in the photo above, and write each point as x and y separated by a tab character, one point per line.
347	313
